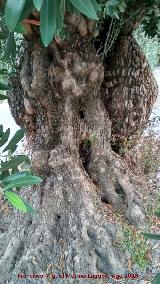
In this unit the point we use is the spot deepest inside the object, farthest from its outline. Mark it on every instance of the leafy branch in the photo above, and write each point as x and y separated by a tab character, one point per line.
11	179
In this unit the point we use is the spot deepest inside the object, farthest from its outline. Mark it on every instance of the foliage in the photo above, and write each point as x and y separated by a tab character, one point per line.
149	148
151	24
51	14
136	245
150	46
91	139
156	279
9	46
113	8
10	177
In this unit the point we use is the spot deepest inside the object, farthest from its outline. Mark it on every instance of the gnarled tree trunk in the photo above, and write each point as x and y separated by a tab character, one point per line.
59	97
129	91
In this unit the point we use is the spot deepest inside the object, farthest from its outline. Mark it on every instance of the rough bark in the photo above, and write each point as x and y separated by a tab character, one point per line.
129	90
60	103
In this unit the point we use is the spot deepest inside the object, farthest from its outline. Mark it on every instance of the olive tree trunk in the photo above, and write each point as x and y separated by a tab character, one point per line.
59	97
129	90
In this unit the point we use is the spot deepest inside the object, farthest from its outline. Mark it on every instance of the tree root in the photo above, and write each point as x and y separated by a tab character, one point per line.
69	233
116	187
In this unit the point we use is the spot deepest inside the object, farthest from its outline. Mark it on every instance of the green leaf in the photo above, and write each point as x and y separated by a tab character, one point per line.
3	71
113	8
13	149
14	162
70	7
4	174
1	130
10	47
122	7
152	236
116	14
13	12
48	22
3	97
26	166
28	7
3	35
4	137
156	279
15	200
85	7
157	212
60	13
23	181
96	5
20	29
14	176
38	4
29	208
110	11
15	139
3	86
13	171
